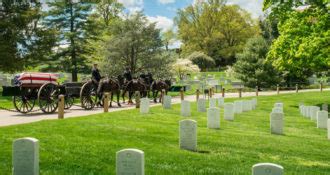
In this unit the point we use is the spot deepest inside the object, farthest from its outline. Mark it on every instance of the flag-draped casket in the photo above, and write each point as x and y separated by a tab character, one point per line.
36	79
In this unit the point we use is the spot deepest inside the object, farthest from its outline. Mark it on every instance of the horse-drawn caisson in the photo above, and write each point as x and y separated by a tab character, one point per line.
42	90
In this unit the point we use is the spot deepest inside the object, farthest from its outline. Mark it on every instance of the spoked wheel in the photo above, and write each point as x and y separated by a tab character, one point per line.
48	98
68	102
23	104
88	96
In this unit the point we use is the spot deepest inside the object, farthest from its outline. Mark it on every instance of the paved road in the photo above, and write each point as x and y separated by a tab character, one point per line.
12	118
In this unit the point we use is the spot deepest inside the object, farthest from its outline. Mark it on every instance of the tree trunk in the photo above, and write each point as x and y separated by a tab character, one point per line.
73	50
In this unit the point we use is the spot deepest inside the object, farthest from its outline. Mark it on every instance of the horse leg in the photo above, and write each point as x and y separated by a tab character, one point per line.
111	99
118	97
154	96
130	94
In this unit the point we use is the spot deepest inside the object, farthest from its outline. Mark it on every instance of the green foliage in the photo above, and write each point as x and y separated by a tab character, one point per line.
24	43
303	46
251	66
218	30
71	23
202	60
88	145
137	44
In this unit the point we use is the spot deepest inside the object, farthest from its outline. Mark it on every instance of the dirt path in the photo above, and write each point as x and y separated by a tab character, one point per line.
12	118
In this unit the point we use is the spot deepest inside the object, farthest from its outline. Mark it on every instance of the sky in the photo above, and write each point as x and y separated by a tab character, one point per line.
163	11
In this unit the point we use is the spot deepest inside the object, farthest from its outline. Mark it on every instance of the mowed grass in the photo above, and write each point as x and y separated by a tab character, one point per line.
88	145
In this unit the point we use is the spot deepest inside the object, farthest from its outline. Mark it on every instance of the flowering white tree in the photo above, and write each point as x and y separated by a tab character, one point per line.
183	67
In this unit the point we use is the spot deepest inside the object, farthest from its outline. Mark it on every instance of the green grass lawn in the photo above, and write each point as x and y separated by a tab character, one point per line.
87	145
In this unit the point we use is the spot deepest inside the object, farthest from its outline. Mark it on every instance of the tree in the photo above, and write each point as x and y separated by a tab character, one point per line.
24	42
202	60
168	38
183	67
136	44
216	29
303	45
251	66
70	20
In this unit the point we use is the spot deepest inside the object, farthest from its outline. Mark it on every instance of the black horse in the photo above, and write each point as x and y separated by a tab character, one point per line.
109	85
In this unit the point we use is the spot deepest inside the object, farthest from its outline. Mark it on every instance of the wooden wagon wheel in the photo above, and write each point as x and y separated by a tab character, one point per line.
23	104
88	96
68	102
48	97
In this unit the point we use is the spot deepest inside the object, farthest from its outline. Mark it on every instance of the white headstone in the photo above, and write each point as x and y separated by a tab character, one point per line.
130	161
188	135
302	109
221	102
314	111
267	169
201	105
306	111
213	103
238	107
325	107
26	156
277	110
246	105
310	112
144	105
254	103
213	118
167	103
229	111
249	105
185	108
322	119
276	123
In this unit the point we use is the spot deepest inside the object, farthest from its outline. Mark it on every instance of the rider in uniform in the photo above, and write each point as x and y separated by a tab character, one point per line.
96	76
128	75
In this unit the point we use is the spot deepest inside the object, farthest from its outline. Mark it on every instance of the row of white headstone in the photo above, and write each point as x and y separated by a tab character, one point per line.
128	161
316	114
277	119
188	128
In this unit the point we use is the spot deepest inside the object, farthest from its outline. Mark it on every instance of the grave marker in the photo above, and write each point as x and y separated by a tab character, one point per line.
276	123
185	108
246	105
221	102
188	135
325	107
201	105
144	105
322	119
167	103
130	161
229	111
213	118
267	169
314	111
26	156
238	107
213	103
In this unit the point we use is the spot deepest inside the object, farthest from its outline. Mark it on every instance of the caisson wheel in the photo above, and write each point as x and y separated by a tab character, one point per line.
48	97
88	96
23	104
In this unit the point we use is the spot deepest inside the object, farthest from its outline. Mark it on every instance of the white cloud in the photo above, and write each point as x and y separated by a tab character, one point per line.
162	22
252	6
166	1
132	5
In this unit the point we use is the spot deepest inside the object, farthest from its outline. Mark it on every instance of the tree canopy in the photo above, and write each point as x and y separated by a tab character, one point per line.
24	42
135	43
216	29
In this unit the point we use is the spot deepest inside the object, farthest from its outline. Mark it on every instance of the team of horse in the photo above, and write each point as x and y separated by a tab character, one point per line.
120	87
